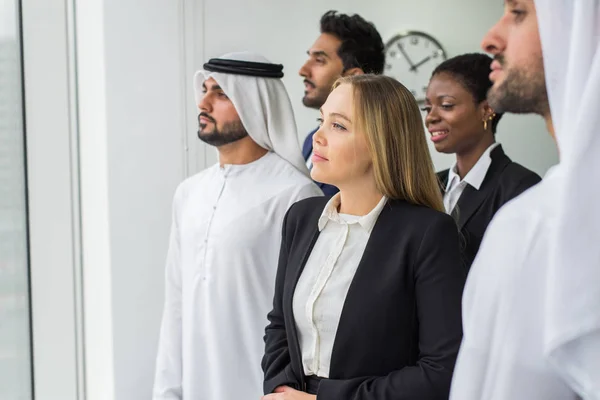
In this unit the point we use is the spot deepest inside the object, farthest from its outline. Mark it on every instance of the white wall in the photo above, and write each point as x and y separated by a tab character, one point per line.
132	89
136	59
146	129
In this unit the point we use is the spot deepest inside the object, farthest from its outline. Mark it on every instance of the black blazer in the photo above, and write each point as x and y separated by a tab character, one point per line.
400	327
504	181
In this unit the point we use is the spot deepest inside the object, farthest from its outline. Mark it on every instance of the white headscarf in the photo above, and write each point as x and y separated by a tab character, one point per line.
570	34
264	108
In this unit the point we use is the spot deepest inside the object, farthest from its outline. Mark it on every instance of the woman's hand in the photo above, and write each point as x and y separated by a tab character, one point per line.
287	393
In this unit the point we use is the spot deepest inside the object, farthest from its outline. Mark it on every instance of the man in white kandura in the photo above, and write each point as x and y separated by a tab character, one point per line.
226	233
531	307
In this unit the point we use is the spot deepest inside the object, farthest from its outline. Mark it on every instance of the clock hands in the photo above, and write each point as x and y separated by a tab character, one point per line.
423	61
401	47
413	44
413	67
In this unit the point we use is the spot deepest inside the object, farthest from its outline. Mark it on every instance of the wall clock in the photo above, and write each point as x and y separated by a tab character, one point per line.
411	58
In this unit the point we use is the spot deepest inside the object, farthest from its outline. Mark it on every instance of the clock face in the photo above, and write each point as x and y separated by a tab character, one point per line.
411	58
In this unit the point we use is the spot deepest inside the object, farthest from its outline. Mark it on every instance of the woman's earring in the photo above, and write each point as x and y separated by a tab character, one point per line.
485	122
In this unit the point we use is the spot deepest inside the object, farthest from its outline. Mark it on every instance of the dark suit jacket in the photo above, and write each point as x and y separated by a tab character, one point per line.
329	190
400	327
504	181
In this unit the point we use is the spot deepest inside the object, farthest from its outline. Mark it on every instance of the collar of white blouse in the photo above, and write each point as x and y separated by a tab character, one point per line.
330	213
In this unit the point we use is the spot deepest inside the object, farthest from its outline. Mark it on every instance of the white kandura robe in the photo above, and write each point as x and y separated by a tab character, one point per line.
220	278
503	353
531	307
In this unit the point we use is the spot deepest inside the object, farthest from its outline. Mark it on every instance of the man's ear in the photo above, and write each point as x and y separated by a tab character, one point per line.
353	71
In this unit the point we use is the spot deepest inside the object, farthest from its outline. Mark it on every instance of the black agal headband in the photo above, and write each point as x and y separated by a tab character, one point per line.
250	68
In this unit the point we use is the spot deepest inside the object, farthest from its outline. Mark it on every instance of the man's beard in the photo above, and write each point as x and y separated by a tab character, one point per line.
230	132
522	91
318	96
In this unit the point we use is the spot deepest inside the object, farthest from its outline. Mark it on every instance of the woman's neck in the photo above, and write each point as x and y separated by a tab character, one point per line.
359	198
466	161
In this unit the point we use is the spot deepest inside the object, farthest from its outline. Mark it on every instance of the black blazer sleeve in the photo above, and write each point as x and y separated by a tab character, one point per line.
439	281
276	361
525	183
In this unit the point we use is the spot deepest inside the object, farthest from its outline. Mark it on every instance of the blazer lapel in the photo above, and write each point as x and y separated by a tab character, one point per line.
300	266
468	203
288	297
443	180
471	199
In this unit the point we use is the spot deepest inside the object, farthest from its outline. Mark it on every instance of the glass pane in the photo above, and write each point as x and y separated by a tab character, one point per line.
15	333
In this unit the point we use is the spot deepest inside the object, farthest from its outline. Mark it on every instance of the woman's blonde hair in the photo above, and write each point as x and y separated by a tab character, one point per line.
389	117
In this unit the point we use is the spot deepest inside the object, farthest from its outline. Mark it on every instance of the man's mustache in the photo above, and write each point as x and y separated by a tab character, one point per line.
500	59
208	117
310	83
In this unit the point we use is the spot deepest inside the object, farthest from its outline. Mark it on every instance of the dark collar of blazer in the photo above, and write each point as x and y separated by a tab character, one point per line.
471	198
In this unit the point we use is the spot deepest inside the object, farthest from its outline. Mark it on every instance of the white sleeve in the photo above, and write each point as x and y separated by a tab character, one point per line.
168	377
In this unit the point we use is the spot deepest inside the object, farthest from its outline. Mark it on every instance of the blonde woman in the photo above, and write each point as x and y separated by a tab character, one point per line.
368	290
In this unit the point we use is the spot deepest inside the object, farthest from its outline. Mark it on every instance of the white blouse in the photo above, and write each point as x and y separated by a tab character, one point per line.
323	285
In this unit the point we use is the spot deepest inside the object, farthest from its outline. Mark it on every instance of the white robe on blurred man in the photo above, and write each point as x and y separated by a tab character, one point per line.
531	307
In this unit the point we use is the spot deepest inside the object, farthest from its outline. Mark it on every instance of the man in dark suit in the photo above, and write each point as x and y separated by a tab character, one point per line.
348	45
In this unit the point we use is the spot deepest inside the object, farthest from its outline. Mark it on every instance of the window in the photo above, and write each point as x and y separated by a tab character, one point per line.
15	332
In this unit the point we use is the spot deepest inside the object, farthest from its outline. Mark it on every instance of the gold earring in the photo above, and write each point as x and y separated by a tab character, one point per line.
485	122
